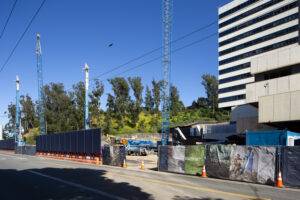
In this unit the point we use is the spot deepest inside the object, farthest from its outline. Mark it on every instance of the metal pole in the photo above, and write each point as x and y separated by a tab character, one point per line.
17	130
86	119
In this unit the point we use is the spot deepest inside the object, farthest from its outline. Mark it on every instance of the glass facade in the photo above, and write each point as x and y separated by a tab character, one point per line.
234	78
259	19
233	88
260	29
232	98
250	12
260	40
239	7
235	68
261	50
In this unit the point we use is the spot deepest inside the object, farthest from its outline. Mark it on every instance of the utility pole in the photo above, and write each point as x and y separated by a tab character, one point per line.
86	113
40	86
165	116
17	124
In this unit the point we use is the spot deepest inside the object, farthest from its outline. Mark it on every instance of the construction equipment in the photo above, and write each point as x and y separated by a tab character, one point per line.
114	140
138	147
40	86
165	116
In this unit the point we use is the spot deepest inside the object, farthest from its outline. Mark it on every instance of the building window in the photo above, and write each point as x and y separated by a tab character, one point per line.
260	29
261	50
250	12
239	7
235	78
260	40
235	68
232	98
233	88
259	19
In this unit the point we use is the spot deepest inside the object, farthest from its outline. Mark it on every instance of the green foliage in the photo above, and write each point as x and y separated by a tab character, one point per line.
210	84
64	111
149	101
27	112
30	137
156	93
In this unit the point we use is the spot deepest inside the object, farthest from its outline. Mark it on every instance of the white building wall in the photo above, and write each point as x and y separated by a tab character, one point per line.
280	60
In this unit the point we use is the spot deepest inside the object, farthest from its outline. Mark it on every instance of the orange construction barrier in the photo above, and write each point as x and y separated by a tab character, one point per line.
279	180
203	172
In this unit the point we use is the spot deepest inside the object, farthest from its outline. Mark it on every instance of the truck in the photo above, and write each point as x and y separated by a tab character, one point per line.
138	147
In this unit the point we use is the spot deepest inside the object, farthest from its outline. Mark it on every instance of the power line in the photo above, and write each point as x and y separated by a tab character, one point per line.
157	58
20	39
8	18
154	50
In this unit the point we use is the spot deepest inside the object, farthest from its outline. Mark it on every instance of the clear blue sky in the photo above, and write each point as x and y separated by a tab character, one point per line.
77	31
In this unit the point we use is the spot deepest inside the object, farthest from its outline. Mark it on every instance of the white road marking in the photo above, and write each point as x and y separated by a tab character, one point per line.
77	185
15	157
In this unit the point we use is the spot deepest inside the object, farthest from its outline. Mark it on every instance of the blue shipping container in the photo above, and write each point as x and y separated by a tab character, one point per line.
271	138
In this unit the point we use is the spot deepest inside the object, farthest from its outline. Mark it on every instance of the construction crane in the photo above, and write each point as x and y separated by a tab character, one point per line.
165	117
40	86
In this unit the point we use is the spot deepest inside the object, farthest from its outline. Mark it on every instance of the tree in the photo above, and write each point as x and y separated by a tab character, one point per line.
156	93
176	104
149	102
210	84
108	115
135	107
10	126
58	109
79	100
94	105
120	88
27	112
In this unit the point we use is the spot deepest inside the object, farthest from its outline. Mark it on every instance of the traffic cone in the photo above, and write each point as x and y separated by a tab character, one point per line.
279	180
142	166
203	172
124	164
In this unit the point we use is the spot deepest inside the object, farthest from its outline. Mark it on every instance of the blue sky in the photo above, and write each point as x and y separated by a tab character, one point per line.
77	31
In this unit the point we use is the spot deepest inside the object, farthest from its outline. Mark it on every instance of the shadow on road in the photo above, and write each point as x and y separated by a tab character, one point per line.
190	198
26	185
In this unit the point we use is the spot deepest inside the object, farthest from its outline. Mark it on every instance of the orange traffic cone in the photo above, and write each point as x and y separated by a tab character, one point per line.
124	164
142	166
279	180
203	172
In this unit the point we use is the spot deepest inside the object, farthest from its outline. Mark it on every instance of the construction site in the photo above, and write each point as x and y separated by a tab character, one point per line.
145	129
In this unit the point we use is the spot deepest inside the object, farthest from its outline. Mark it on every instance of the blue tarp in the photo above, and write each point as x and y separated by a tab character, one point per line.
271	138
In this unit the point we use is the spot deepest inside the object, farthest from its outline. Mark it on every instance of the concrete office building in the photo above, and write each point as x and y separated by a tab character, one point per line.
259	60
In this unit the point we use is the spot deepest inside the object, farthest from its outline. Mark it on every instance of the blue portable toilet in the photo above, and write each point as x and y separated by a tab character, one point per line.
272	138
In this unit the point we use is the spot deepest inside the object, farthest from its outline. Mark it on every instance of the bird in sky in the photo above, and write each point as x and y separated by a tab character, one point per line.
110	45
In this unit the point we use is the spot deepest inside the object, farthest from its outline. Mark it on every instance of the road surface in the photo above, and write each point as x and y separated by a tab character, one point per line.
29	177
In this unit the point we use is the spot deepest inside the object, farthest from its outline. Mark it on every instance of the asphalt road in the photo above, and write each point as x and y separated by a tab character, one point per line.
28	177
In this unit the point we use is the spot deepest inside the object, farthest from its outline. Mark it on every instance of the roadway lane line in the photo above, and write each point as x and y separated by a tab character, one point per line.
51	163
77	185
188	186
11	156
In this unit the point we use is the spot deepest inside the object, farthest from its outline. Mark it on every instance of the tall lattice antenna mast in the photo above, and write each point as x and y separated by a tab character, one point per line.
167	21
40	86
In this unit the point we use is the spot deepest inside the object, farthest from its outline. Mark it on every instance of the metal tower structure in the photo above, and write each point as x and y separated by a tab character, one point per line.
86	113
165	117
40	86
18	133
